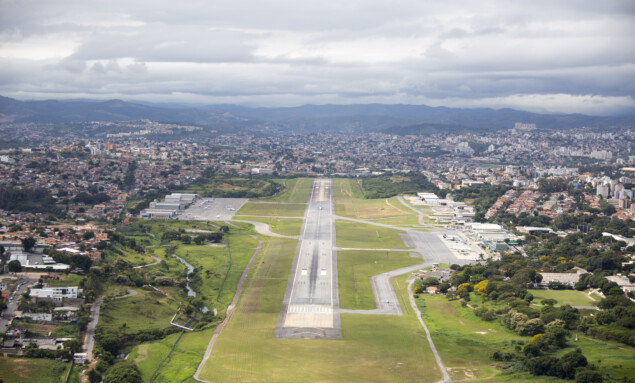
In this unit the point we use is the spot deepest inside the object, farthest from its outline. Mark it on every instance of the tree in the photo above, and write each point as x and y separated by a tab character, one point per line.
28	243
123	372
588	376
481	288
15	266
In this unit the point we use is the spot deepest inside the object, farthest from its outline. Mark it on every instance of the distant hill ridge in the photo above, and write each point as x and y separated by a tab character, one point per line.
389	118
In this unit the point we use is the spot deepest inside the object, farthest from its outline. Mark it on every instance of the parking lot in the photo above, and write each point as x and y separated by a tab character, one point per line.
212	209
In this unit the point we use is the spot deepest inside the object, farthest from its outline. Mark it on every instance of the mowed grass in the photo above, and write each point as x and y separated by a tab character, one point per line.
564	297
349	202
296	190
275	209
405	221
374	348
283	226
358	235
28	370
463	340
145	311
354	269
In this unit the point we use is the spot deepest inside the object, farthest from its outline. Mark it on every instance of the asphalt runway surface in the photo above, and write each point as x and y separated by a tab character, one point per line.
212	209
310	306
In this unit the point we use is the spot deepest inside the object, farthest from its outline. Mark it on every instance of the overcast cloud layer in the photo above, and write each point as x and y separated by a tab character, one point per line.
545	56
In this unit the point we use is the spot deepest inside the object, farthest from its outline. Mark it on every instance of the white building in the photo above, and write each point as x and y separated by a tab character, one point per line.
429	198
55	293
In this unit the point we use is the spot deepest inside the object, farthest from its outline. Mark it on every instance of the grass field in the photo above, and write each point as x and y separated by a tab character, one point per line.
296	190
359	235
564	297
145	311
354	269
181	364
463	340
405	221
65	280
284	226
27	370
465	343
374	348
349	202
214	262
269	209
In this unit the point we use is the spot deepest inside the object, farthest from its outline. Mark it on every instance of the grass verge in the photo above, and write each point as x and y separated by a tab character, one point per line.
354	269
359	235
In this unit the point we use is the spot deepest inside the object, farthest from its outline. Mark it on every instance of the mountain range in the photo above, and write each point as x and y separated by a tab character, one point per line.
394	119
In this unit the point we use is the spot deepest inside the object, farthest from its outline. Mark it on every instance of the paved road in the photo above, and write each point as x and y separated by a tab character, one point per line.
230	310
311	299
14	301
89	337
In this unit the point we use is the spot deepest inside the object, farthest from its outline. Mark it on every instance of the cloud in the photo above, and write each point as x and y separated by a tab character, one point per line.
543	55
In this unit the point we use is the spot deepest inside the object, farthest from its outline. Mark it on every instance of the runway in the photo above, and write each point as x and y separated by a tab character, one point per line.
310	305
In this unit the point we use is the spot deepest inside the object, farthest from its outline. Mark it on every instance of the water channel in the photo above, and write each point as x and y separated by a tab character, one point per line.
190	269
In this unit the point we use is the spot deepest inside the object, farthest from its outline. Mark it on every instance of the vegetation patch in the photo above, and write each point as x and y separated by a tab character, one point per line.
364	236
29	370
354	269
293	190
272	209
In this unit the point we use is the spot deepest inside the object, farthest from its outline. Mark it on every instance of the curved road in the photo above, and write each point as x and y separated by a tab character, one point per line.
156	262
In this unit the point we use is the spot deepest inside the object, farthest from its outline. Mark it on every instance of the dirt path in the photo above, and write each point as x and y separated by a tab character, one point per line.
156	262
230	309
444	372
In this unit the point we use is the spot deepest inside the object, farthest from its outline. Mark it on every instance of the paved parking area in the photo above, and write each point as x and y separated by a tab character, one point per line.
212	209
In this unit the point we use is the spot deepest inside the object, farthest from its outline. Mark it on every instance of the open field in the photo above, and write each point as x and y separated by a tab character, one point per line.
269	209
181	364
465	343
28	370
463	340
65	280
145	311
214	263
359	235
296	190
564	297
374	348
354	269
614	359
405	221
283	226
349	202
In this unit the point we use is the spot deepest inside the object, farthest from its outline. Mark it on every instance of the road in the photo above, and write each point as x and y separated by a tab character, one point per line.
14	301
156	262
89	337
310	305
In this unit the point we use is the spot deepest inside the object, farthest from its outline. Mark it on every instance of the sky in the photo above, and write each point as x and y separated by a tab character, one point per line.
568	56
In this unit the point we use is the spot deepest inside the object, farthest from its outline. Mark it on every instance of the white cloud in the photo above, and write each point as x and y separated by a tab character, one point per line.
542	55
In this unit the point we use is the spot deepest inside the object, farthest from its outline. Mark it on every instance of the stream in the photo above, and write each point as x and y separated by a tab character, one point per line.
190	269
